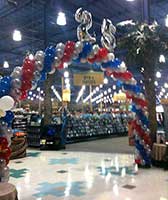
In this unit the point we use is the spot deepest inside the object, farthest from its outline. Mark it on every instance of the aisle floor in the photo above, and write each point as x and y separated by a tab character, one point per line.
108	145
65	175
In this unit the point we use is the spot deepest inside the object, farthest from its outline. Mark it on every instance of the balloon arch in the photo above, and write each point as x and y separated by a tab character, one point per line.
35	68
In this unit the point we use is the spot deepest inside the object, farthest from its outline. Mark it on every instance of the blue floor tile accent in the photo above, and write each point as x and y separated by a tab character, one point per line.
33	154
18	173
113	171
63	161
58	189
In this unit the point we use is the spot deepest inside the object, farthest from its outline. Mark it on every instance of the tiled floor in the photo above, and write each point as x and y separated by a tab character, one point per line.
53	175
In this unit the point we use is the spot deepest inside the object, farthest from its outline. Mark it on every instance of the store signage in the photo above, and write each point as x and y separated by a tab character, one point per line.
119	97
66	95
164	101
88	78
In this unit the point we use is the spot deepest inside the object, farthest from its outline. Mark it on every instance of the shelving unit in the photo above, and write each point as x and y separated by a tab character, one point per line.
20	123
79	129
34	130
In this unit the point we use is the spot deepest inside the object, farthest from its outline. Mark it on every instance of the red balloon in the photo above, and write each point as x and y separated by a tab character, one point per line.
26	85
23	95
66	57
68	51
92	60
8	152
61	66
138	161
3	142
102	53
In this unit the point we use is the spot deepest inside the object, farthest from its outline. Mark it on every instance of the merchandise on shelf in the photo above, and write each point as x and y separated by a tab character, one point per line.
88	125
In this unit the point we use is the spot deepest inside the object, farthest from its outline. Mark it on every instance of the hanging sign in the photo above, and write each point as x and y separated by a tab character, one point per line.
66	95
164	101
88	78
119	97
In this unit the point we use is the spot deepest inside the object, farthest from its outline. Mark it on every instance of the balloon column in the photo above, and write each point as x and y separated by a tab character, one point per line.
25	78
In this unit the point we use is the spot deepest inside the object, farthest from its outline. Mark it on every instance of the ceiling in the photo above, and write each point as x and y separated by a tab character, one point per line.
36	19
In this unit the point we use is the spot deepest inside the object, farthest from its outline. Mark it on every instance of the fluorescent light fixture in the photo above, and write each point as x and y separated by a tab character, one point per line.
156	83
114	87
66	74
17	36
158	74
166	85
166	21
5	64
61	19
68	86
163	90
80	93
38	89
67	80
162	59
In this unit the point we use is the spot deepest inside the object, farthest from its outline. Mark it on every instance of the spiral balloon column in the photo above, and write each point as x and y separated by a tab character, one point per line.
16	86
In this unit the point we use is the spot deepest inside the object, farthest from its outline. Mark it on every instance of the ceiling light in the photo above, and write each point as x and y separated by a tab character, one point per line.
61	19
38	89
158	74
97	89
156	83
17	36
5	64
114	87
66	74
166	85
163	90
105	81
162	59
68	86
166	21
67	80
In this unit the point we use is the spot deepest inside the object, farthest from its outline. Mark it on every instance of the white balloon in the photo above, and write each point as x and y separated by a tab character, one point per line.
39	56
52	71
6	103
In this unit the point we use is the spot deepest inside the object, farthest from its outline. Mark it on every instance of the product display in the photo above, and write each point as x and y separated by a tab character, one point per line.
89	126
34	130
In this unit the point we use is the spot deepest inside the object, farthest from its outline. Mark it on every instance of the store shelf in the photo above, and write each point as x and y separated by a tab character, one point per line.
82	129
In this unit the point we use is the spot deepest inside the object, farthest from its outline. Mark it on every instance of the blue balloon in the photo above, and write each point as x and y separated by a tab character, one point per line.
5	85
141	115
134	88
50	53
119	83
87	48
8	117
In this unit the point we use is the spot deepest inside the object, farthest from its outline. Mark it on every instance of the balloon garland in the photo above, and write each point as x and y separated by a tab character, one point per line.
16	86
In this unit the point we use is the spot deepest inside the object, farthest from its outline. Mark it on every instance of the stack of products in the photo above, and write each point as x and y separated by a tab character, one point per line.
89	126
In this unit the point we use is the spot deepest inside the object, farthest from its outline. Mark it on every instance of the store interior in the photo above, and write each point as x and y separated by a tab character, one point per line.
83	100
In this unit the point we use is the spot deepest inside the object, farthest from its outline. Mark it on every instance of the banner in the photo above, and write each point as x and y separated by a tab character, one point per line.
88	78
66	95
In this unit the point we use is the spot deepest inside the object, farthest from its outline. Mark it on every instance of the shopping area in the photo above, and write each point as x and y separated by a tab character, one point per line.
83	100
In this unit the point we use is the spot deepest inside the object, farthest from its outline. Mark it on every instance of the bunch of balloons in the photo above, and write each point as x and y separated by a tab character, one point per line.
35	68
5	153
